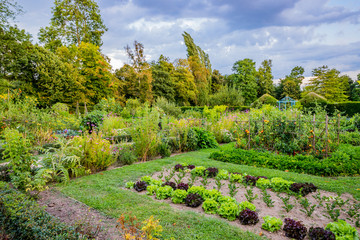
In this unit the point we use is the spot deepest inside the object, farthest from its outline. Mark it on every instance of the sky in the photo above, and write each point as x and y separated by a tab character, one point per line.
307	33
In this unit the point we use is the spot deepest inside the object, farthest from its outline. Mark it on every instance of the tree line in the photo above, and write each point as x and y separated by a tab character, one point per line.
68	66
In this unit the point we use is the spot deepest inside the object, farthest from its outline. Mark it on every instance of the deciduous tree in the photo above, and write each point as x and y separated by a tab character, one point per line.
245	79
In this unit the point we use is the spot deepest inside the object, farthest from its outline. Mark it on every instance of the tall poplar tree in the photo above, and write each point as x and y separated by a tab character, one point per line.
73	22
200	66
264	78
245	79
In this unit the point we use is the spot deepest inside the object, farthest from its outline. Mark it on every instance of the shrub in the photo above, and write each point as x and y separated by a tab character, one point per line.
92	121
178	196
343	230
205	138
151	190
229	210
248	217
211	172
183	186
125	155
210	206
140	186
168	107
319	233
95	153
264	99
109	105
229	96
22	218
193	200
304	188
164	192
294	229
164	149
271	224
246	205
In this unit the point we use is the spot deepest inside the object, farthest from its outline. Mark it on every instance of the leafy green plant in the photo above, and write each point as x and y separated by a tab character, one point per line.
193	178
246	205
271	224
170	176
267	198
210	206
343	230
280	185
147	179
353	210
319	199
198	171
332	211
164	192
223	175
308	207
151	190
197	189
223	199
229	210
218	183
263	183
233	189
21	162
211	194
286	201
235	177
248	217
205	138
193	200
250	195
140	186
129	185
204	181
92	121
178	196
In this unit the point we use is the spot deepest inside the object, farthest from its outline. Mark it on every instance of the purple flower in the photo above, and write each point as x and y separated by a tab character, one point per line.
87	123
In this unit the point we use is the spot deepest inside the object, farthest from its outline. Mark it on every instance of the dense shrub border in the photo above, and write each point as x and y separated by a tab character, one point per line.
333	166
200	109
23	218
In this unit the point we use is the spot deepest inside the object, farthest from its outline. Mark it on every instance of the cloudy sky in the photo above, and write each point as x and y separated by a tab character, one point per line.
308	33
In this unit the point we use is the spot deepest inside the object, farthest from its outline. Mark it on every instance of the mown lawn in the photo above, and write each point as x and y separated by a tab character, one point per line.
103	192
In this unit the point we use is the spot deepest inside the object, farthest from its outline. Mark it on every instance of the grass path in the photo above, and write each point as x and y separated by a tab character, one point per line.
103	192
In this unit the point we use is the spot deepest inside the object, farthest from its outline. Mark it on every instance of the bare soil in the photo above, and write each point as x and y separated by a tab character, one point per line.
73	212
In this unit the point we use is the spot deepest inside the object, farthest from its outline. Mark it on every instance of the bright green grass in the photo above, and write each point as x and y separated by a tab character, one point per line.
103	191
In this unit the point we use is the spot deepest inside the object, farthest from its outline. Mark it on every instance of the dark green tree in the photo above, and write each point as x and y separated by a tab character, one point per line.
264	78
290	85
328	83
73	22
163	84
245	79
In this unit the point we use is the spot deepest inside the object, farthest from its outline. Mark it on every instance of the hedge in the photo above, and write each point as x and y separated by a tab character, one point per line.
345	161
22	218
346	108
201	109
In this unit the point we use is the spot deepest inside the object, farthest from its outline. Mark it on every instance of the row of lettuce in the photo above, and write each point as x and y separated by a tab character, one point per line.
213	201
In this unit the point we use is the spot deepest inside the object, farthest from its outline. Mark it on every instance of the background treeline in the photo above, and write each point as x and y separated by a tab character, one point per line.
69	67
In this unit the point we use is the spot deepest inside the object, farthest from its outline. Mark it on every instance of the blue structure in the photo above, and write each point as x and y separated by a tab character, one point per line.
286	101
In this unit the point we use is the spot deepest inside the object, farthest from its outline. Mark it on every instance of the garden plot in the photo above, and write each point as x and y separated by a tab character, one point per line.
224	194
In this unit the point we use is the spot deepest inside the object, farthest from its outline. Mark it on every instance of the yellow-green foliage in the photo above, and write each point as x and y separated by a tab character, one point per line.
111	124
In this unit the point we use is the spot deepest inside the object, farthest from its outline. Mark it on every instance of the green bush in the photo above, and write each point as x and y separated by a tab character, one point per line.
22	218
197	189
211	194
198	171
342	162
263	183
280	185
264	99
236	177
168	107
210	206
223	174
109	105
92	121
229	96
205	138
151	190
